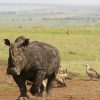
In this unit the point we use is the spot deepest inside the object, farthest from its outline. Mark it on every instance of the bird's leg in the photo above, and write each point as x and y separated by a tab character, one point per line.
92	78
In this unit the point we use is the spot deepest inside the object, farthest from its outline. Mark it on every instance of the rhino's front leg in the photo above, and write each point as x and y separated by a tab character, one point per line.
37	87
21	84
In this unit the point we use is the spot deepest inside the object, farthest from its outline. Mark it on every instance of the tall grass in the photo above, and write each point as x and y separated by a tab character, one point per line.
80	47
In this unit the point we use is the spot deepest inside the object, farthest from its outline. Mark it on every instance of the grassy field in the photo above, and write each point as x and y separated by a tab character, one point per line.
80	47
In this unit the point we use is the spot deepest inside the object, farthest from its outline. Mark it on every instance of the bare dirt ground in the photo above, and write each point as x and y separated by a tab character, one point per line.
76	89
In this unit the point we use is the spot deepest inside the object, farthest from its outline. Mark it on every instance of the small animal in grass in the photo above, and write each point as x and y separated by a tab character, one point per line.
92	73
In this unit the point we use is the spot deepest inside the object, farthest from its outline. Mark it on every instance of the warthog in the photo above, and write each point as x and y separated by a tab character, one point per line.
33	61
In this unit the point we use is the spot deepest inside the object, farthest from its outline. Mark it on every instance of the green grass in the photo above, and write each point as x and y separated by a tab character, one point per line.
82	46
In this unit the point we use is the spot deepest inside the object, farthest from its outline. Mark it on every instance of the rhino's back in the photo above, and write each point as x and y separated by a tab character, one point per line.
42	55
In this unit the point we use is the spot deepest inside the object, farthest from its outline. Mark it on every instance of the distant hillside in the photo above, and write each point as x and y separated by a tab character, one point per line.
31	15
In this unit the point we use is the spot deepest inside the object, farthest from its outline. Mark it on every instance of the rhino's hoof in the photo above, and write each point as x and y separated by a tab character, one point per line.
40	95
23	98
37	94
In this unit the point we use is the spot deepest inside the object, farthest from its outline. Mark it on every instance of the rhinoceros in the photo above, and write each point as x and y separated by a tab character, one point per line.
33	61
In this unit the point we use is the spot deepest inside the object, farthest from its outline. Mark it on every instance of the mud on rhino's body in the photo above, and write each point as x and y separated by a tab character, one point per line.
32	61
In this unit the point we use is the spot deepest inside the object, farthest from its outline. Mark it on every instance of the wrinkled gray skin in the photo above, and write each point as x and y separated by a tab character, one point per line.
33	61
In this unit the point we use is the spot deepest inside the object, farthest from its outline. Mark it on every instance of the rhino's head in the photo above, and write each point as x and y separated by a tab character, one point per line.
16	58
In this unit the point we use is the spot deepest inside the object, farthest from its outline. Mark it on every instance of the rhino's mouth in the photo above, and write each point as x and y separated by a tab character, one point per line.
13	71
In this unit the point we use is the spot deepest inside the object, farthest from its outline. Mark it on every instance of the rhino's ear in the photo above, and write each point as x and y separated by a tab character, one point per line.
26	42
7	42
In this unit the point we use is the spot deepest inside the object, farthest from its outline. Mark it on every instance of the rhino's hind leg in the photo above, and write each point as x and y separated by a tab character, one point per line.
37	87
21	84
49	83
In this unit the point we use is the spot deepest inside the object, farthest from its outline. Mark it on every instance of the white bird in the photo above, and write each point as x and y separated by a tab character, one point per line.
91	72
